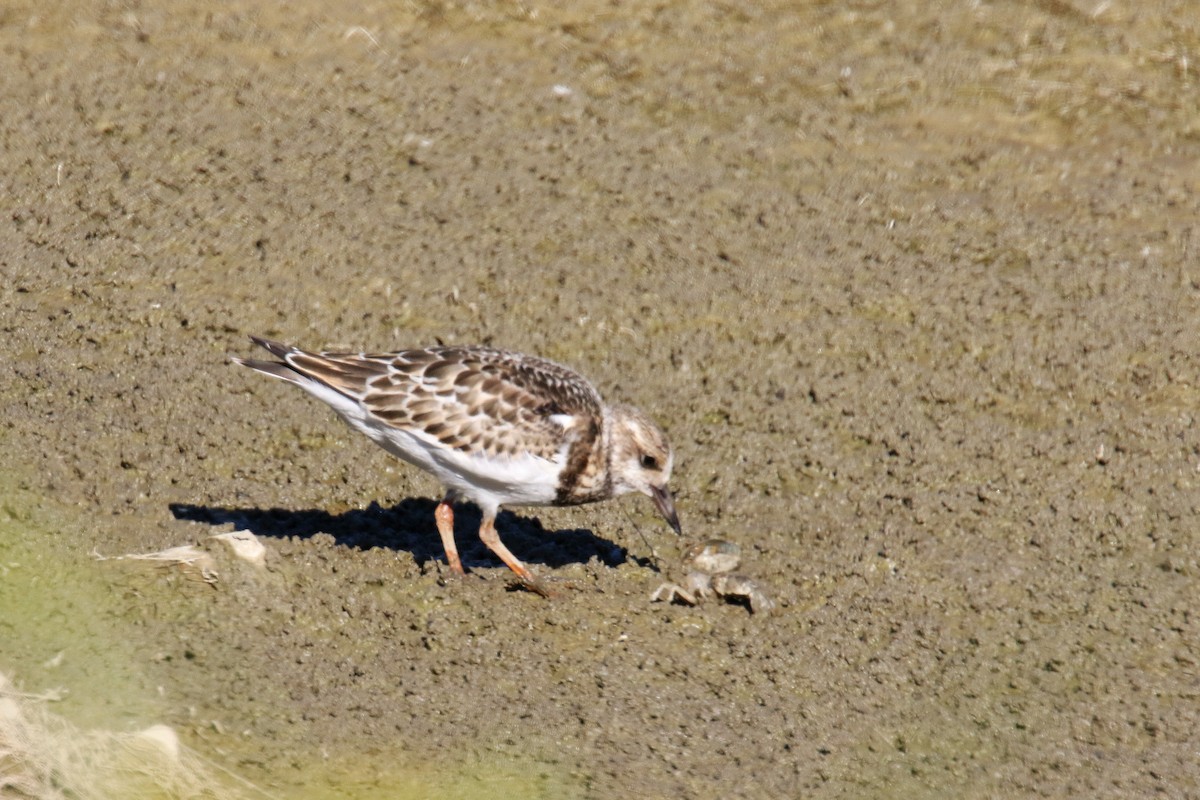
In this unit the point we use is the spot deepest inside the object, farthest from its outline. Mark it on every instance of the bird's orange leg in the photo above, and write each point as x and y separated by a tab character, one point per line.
487	532
444	514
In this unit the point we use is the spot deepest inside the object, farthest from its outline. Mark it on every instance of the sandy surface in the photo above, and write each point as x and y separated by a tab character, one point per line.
913	290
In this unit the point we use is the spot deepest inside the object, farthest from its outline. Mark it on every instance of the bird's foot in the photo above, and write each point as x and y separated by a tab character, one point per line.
530	584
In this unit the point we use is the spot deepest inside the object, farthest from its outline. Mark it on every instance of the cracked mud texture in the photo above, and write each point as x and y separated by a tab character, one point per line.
913	288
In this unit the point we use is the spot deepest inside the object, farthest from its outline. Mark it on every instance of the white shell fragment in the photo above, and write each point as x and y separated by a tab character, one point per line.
246	546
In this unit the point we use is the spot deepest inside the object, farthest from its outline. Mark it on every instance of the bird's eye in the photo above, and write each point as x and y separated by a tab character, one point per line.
649	462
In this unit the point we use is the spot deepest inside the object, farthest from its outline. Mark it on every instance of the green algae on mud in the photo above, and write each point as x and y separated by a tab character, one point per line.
62	624
378	774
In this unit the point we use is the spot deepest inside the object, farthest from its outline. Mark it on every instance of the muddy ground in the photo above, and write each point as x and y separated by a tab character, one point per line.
911	286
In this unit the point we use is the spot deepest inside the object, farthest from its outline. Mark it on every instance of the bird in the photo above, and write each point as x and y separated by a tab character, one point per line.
495	427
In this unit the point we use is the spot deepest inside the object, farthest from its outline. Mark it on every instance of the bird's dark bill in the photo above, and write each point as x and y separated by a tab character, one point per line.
666	506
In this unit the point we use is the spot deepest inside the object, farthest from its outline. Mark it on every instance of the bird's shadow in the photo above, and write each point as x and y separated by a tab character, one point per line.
410	526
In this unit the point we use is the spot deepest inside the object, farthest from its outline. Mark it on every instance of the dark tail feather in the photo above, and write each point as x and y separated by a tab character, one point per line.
277	349
347	375
276	369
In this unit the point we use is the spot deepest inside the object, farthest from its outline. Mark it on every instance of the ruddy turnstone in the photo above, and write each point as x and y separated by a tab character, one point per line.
495	427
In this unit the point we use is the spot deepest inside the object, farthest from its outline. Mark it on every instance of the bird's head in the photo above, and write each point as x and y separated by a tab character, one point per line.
642	460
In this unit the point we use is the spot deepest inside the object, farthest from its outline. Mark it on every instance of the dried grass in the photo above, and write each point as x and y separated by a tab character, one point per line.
45	757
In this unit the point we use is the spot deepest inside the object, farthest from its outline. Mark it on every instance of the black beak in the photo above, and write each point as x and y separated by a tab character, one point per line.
666	506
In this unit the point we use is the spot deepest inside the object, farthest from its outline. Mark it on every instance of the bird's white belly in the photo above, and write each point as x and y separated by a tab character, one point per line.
503	480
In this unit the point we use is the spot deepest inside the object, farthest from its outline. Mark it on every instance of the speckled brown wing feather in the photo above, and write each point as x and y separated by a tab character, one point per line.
473	399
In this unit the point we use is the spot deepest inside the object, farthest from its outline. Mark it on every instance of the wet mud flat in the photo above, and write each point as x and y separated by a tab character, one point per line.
911	289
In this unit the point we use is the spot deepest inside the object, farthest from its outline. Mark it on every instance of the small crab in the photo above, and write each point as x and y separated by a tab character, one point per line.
710	567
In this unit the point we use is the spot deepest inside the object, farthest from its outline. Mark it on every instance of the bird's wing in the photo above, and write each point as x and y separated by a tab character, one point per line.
473	399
